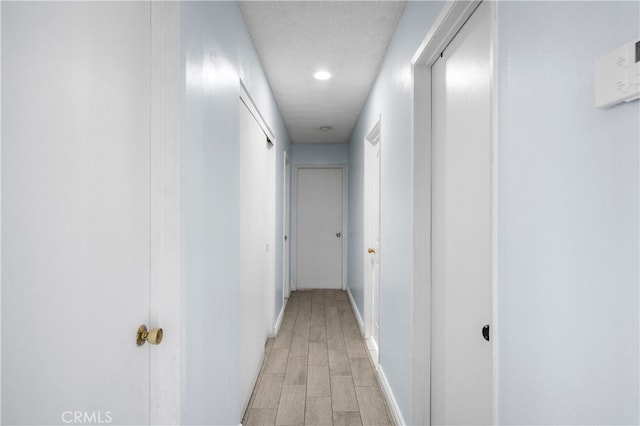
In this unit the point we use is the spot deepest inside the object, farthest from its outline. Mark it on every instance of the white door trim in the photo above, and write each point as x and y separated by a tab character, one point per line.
286	253
0	218
164	310
451	19
373	138
294	214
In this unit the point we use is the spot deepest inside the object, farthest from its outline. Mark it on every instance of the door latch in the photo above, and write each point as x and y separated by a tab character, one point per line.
339	234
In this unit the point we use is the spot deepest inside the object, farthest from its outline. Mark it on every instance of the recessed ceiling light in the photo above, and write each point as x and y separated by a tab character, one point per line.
322	75
325	128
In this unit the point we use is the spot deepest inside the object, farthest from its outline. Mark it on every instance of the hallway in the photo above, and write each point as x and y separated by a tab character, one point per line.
317	371
182	166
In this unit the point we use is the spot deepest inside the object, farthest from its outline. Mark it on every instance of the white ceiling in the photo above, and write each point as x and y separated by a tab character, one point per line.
294	39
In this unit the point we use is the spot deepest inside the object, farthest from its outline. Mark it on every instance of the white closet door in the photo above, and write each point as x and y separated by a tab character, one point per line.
256	223
462	360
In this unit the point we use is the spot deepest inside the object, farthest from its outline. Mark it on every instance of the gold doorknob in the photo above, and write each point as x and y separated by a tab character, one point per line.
154	336
371	250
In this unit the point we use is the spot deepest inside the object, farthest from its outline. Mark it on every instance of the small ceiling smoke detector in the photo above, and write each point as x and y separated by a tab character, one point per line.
325	128
322	75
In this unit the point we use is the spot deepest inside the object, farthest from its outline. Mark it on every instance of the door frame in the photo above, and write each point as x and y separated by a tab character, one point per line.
286	217
246	98
165	286
1	217
164	218
450	20
294	218
373	138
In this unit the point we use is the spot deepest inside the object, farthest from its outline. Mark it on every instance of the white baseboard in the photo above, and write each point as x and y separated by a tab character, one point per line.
391	400
276	326
247	399
356	312
382	379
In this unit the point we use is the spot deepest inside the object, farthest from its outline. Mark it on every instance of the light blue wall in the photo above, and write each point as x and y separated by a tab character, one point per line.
568	211
216	51
568	218
568	214
390	100
315	154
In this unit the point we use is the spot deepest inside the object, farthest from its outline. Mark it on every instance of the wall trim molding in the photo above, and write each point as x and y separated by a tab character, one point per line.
278	323
256	376
392	404
356	313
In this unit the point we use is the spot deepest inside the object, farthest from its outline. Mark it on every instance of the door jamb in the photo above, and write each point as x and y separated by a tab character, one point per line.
0	221
451	19
164	218
294	216
286	195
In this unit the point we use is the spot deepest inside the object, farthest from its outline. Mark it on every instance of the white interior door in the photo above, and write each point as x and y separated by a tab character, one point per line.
256	221
319	222
372	237
286	291
461	364
75	212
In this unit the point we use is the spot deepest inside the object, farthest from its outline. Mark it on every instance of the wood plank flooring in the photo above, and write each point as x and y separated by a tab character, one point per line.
317	370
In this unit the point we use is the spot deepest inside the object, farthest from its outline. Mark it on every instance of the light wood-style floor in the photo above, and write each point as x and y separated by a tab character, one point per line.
317	370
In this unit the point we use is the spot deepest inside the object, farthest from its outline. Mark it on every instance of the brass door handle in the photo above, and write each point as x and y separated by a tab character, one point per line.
371	250
154	336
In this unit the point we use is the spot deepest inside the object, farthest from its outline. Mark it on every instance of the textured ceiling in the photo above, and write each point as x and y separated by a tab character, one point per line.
296	38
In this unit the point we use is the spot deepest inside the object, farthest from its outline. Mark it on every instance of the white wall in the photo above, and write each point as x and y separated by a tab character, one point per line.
568	219
216	52
390	100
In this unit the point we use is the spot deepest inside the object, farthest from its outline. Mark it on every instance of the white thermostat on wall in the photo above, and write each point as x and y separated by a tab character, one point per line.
618	75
